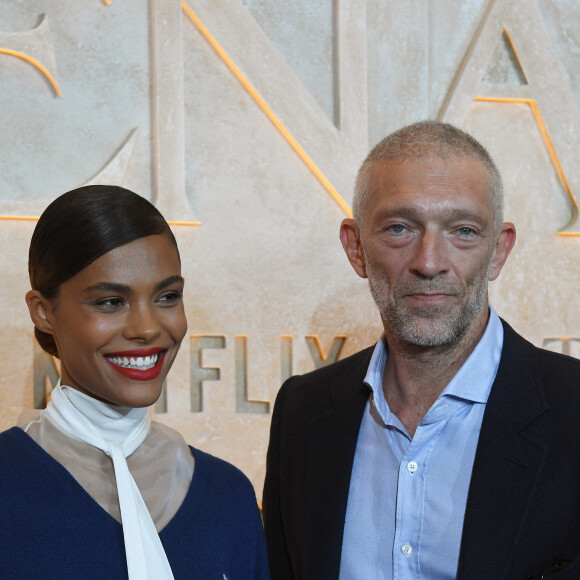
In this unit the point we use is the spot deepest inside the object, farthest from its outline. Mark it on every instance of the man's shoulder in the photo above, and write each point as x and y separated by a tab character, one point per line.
552	369
351	364
345	374
514	342
559	368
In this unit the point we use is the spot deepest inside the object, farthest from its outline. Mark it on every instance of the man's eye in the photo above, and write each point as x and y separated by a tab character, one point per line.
466	231
397	228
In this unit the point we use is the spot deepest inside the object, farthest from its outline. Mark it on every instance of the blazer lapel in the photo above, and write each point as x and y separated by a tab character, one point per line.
506	465
331	448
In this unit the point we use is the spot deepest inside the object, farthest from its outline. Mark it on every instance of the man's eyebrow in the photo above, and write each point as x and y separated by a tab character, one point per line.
405	212
396	212
461	214
412	214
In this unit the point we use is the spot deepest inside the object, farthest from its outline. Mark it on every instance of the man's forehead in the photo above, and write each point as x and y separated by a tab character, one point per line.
427	160
426	171
425	183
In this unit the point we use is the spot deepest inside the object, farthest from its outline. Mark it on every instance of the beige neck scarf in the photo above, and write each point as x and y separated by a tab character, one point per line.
118	432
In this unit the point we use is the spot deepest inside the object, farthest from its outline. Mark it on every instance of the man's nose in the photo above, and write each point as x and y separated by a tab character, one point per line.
431	256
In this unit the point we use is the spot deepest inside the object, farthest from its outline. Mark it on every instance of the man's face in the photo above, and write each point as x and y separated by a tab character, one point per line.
428	247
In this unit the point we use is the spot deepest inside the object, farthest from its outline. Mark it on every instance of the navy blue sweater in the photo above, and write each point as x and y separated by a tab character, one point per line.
50	528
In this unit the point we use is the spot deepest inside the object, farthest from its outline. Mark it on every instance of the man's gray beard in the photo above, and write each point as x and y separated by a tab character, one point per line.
405	323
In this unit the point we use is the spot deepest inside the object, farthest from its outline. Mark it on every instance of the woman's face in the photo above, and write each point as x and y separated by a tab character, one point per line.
119	322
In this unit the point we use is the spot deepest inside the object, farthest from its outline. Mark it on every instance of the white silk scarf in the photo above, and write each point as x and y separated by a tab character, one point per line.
118	433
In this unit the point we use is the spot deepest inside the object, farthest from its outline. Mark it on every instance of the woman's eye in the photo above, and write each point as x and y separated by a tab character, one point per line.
110	303
170	297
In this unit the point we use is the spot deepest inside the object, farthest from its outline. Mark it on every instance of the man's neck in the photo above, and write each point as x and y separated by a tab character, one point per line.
415	376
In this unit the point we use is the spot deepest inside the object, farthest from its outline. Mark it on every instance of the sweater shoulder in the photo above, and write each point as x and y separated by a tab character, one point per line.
221	476
16	449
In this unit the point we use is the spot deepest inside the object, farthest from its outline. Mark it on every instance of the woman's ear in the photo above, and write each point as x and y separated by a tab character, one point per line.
40	309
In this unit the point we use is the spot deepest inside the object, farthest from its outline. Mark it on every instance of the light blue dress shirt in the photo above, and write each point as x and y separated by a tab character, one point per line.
407	496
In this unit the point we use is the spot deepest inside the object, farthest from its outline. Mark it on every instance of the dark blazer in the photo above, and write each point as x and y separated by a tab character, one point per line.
523	508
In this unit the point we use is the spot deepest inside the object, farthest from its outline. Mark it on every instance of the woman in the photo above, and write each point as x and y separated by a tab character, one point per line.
89	487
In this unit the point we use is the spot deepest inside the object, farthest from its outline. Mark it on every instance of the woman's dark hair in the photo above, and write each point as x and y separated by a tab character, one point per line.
80	226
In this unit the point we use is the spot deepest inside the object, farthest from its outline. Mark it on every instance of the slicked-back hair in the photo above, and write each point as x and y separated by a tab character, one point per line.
80	226
423	140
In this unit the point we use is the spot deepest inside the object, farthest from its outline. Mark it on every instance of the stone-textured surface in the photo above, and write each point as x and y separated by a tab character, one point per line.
266	262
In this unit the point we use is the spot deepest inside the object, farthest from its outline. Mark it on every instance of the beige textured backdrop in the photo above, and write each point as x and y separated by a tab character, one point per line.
149	103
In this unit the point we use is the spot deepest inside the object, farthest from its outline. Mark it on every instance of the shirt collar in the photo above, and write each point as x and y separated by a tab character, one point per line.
473	380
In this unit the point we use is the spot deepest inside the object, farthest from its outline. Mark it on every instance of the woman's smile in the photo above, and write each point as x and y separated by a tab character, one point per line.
119	322
139	365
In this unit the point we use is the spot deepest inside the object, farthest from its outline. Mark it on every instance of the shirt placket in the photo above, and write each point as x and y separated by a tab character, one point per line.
410	509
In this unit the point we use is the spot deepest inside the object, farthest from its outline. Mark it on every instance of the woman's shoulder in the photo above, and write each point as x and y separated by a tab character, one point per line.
216	467
19	453
24	465
13	442
215	477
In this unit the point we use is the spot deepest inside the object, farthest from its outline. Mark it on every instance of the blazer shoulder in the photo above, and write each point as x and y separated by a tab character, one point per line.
342	377
554	370
353	364
559	371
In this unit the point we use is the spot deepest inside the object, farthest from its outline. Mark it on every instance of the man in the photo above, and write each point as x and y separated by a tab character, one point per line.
449	449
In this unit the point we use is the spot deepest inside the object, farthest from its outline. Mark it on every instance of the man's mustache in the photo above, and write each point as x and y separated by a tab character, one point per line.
429	287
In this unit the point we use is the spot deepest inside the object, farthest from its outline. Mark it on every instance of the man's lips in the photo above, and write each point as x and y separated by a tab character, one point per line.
141	365
428	297
429	294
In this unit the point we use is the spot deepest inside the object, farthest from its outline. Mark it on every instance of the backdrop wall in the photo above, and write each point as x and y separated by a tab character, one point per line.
245	121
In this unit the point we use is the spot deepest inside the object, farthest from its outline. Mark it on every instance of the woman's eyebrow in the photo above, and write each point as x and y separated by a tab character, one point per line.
110	287
168	282
126	289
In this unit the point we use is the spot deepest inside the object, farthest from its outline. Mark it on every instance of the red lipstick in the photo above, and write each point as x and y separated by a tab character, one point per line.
138	374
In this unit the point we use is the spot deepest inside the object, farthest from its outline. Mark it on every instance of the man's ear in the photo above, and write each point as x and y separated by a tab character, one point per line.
350	238
503	246
40	309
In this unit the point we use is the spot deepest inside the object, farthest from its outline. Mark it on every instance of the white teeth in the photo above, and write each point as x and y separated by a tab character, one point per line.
141	363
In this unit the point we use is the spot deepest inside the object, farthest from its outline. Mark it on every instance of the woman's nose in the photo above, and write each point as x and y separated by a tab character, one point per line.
142	324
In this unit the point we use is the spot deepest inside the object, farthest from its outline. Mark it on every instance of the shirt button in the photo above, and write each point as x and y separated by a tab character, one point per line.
406	549
412	466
